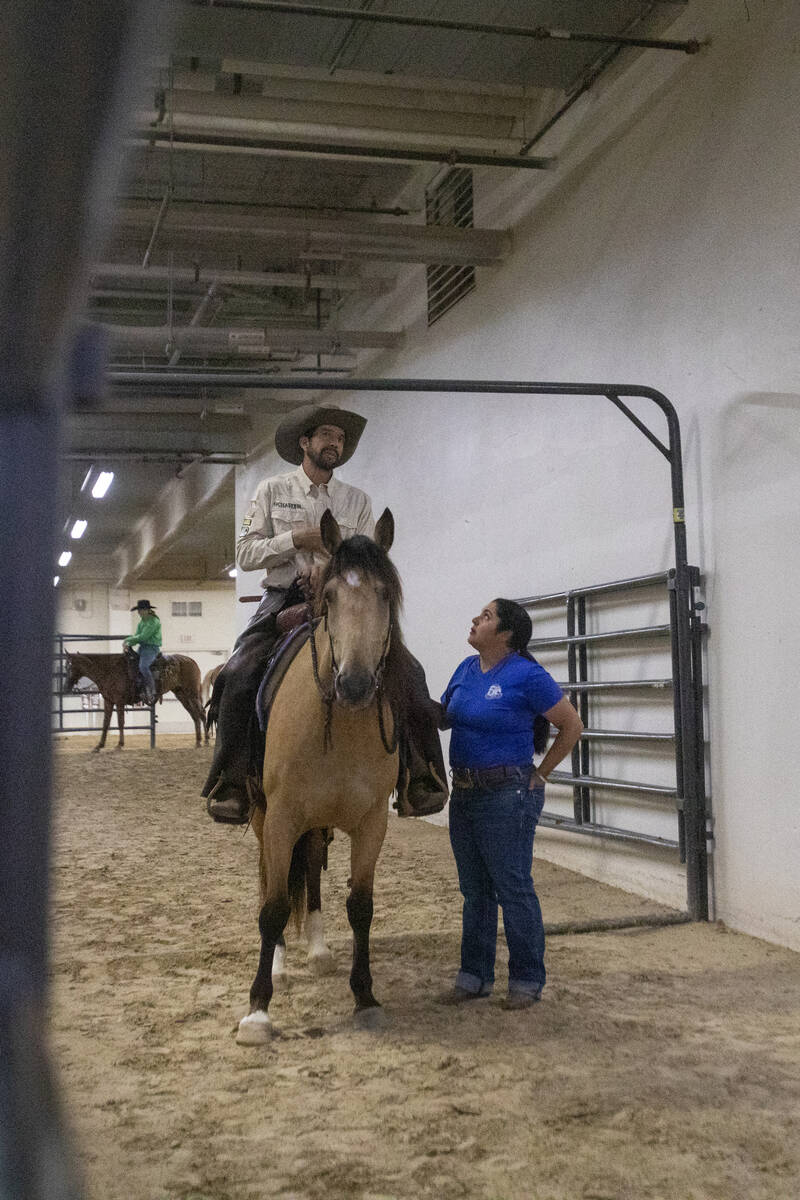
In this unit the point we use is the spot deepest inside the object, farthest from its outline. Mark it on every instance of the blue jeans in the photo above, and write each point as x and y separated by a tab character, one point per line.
491	832
146	655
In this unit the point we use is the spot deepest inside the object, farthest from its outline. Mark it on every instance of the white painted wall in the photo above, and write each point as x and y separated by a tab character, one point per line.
662	252
90	608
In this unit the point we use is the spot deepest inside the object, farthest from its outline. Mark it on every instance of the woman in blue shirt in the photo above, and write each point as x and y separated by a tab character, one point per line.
491	704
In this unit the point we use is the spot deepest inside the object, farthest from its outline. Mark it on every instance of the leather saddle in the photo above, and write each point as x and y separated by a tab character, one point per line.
295	626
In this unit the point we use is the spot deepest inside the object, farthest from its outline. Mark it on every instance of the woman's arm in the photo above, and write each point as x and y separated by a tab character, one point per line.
570	727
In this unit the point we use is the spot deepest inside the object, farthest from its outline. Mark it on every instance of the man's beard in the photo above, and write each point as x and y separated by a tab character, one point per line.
325	460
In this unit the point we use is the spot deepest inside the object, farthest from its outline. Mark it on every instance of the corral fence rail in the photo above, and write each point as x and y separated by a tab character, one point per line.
590	687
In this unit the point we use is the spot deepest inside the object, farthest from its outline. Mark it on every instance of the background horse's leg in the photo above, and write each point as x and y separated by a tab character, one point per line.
320	959
108	708
195	711
121	723
366	842
254	1029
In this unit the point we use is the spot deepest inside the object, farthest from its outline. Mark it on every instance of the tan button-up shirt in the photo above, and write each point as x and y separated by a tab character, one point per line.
286	502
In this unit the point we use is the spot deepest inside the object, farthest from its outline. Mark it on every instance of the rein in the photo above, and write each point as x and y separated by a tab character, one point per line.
328	695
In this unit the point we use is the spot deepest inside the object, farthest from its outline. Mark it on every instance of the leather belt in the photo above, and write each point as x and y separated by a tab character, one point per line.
490	777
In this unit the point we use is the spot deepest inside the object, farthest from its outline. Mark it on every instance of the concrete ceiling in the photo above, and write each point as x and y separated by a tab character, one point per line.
275	196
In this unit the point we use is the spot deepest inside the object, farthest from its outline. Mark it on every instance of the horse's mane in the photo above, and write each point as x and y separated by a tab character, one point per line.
361	553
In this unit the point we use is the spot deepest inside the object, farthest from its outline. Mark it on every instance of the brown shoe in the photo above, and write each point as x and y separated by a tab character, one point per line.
460	995
517	1000
229	804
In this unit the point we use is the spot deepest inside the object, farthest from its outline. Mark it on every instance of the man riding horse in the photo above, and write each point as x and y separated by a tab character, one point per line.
281	534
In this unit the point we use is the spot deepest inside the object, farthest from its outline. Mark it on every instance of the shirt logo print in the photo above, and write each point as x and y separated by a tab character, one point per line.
494	691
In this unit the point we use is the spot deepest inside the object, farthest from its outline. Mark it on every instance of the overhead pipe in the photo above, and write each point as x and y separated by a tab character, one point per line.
209	339
366	210
351	282
537	32
317	238
221	458
286	146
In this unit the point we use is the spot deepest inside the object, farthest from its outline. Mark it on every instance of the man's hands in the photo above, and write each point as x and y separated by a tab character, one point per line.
308	581
308	537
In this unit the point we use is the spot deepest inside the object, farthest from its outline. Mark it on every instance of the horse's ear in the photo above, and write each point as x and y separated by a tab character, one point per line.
331	533
384	530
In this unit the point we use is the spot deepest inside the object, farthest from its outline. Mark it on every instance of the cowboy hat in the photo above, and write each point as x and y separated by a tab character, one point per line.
141	604
302	420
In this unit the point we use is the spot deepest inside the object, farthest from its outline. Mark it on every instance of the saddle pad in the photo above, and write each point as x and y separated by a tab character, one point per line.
281	659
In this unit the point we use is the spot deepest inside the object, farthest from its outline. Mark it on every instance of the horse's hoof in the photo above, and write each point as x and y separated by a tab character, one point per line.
322	964
373	1020
95	750
254	1030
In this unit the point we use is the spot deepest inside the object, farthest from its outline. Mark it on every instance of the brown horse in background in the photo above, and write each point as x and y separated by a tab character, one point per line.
208	683
109	672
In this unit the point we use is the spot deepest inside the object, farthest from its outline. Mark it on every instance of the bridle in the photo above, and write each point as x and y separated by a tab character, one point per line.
328	694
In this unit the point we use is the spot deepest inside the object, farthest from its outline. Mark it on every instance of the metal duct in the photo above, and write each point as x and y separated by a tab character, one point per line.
244	342
346	282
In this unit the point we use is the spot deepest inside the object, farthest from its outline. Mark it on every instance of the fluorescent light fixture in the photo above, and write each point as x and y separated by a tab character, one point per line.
102	484
78	529
65	557
55	580
232	573
86	479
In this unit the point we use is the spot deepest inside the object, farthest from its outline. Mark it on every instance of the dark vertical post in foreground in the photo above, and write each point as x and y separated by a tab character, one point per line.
61	105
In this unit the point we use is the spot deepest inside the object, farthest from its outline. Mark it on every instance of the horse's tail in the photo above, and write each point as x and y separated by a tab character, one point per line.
211	707
297	881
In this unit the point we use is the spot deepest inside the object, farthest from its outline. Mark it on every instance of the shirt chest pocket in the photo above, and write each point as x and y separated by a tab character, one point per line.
287	515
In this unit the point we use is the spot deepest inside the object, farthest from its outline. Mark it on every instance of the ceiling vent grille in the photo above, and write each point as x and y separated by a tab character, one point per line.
449	203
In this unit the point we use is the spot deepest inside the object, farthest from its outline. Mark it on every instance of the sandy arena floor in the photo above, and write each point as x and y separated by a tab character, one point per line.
661	1065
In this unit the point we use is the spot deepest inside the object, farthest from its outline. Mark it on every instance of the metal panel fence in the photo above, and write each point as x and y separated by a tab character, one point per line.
590	662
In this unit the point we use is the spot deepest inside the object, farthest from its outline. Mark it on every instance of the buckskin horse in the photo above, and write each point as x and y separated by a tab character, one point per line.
109	672
331	754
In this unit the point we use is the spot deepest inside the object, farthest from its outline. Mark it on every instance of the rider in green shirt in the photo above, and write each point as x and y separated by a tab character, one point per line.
148	638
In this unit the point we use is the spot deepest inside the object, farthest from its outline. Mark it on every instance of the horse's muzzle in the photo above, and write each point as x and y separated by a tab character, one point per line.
355	689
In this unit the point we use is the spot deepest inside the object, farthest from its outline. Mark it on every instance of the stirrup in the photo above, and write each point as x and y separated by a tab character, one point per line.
242	814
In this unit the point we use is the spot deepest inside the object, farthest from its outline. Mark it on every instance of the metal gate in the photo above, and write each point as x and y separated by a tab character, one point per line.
581	656
683	578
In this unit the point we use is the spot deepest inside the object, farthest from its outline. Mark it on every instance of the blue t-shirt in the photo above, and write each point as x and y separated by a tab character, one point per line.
491	713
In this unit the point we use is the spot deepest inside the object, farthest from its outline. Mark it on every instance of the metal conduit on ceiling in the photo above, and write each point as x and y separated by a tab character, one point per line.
538	32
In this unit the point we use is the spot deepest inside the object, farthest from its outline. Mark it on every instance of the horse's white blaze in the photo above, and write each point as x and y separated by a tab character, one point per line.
353	578
254	1030
320	958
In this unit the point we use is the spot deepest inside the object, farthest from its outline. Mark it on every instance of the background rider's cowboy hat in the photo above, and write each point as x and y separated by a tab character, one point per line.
141	605
301	420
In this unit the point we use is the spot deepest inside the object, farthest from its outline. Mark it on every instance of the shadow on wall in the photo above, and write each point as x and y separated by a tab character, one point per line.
760	439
